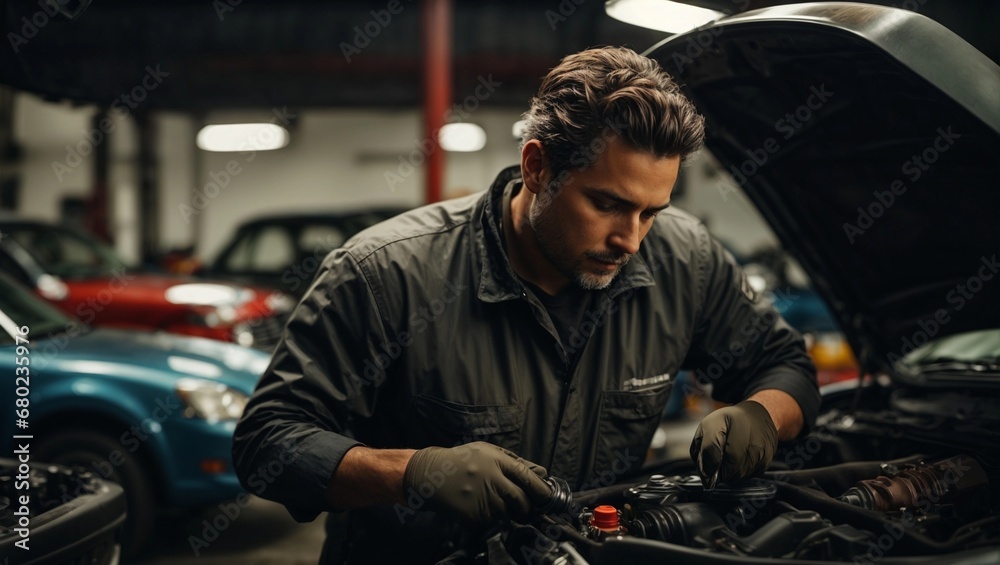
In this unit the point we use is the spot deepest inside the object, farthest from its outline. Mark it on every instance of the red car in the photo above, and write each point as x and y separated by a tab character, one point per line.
87	280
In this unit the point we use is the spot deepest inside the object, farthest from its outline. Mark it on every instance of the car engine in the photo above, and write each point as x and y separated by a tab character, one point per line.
912	483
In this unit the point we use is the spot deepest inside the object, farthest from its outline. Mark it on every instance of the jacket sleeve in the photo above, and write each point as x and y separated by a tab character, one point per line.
324	373
741	343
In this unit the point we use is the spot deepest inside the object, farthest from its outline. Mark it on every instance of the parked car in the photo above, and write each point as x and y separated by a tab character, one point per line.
868	137
61	502
152	411
284	251
87	280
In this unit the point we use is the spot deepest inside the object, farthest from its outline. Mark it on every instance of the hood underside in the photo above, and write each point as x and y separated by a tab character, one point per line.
869	139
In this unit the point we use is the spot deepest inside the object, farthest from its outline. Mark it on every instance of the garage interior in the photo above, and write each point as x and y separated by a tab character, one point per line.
102	107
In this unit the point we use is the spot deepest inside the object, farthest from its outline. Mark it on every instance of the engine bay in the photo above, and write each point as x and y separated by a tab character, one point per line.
889	475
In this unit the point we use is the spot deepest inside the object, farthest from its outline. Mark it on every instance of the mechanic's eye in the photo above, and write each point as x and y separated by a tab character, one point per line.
604	206
649	215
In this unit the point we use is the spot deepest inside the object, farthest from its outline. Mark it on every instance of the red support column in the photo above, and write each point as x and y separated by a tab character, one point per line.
436	35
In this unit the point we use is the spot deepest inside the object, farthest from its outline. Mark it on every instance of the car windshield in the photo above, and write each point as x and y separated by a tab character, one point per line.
369	219
18	307
272	247
978	347
65	253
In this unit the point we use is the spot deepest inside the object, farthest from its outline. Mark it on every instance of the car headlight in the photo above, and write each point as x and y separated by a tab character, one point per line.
280	302
210	401
52	287
243	334
212	317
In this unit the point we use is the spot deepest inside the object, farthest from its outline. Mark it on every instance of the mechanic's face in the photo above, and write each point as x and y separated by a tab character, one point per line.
596	222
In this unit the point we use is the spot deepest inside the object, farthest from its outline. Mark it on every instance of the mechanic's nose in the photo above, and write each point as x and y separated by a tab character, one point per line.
627	237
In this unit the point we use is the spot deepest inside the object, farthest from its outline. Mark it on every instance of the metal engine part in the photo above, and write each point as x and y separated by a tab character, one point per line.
958	480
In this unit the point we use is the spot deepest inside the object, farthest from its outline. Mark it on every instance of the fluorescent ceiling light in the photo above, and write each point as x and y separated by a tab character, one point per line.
518	129
462	137
208	294
242	137
662	15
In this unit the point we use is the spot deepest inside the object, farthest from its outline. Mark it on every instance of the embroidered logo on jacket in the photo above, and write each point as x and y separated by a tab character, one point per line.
633	384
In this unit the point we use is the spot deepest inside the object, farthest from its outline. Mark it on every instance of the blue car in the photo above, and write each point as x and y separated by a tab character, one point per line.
154	412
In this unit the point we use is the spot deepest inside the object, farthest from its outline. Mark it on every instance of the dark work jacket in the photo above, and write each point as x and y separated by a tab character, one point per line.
417	332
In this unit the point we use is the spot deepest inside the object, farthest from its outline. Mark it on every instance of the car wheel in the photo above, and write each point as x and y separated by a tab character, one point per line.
96	452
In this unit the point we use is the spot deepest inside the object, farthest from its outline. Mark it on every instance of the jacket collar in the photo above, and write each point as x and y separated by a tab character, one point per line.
497	280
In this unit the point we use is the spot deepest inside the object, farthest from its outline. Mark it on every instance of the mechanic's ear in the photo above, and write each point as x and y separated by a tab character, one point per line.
534	166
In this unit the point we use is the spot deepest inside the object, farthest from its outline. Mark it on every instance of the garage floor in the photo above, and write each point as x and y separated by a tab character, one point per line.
264	533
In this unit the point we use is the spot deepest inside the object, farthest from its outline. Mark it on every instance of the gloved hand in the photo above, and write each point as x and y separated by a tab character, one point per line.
737	441
478	482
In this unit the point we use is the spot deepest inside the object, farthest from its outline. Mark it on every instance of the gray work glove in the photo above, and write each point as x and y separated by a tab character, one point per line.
478	482
736	441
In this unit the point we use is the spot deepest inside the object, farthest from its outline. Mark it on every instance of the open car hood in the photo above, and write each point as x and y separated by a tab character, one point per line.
869	138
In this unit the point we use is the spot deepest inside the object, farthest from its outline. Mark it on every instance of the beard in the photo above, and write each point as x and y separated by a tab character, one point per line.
551	244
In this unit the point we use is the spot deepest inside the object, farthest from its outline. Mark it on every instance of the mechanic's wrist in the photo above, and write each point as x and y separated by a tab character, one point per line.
784	410
368	477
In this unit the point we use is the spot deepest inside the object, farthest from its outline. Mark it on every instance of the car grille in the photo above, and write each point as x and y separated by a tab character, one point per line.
267	333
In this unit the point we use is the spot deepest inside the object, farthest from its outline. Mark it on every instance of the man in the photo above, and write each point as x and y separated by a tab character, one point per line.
543	320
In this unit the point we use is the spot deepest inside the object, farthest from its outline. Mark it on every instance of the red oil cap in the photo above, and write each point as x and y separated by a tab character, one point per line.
605	518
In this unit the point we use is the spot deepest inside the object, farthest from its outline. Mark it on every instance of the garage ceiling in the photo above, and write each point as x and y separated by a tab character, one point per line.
293	53
244	54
